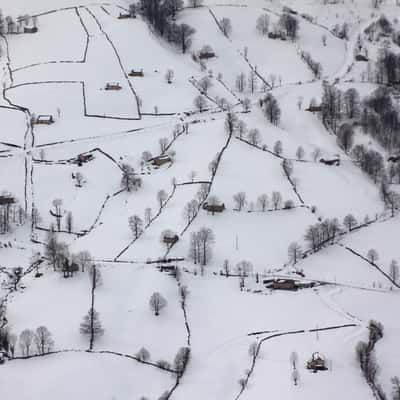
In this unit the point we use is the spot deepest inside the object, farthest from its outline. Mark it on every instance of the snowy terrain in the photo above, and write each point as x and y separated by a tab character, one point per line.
67	179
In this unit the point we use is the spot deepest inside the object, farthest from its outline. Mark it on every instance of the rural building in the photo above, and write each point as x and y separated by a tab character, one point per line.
170	239
126	15
334	161
113	86
30	29
361	57
167	268
83	158
136	73
317	363
394	158
160	160
314	109
205	55
44	120
5	200
219	208
69	268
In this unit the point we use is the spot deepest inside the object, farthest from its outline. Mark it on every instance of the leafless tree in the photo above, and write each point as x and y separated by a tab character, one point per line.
69	222
226	26
253	348
147	216
169	76
254	136
91	326
349	221
240	200
162	197
79	179
200	103
157	303
129	180
163	142
294	252
25	341
278	149
43	340
136	225
372	256
262	24
204	84
143	354
300	153
241	82
394	271
241	129
276	200
58	213
263	202
84	259
181	360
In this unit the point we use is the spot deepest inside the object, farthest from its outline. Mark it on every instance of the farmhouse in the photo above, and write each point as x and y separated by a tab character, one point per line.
83	158
44	120
314	109
30	29
113	86
334	161
136	73
317	363
160	160
126	15
206	54
219	208
170	239
362	57
5	200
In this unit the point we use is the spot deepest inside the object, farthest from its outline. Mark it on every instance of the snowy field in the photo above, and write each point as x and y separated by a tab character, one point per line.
78	69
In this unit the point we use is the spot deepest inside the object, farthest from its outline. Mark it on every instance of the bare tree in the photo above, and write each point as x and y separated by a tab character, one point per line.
136	225
143	354
163	142
372	256
294	252
263	202
241	129
43	340
79	179
84	259
69	222
241	82
253	349
162	197
200	103
183	293
349	221
394	271
169	76
25	341
276	200
129	180
226	26
294	358
157	303
254	136
206	238
262	24
204	84
147	216
240	200
91	326
58	213
278	149
300	153
181	360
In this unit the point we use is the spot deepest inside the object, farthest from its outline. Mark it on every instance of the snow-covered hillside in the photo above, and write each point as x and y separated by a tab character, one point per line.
200	202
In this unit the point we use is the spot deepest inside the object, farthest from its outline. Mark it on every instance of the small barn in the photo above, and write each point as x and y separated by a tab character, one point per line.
394	158
362	57
314	109
30	29
113	86
317	362
214	208
205	55
333	161
44	120
83	158
6	200
126	15
170	239
69	268
284	284
136	73
160	160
